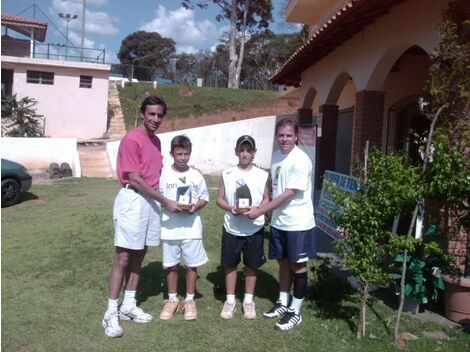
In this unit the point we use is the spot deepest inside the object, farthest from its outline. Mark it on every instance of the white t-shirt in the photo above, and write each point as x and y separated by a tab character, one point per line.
255	179
293	171
181	226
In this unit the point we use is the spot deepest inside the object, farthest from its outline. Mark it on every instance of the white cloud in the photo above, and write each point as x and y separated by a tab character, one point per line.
182	26
96	22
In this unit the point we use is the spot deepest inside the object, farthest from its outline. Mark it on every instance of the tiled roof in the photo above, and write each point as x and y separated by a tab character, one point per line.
341	26
25	26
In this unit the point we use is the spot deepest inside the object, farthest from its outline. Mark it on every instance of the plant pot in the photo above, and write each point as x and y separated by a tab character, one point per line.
457	298
411	305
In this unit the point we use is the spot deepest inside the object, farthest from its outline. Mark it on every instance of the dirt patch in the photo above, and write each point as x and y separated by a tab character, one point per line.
279	107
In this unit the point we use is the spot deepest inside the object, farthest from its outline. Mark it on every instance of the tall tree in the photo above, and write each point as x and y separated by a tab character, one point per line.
244	15
146	53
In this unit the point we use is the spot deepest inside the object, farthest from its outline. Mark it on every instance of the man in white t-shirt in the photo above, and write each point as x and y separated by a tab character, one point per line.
241	187
292	239
181	232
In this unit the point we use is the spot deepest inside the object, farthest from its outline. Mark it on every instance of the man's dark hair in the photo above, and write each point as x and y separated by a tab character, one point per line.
181	142
287	121
153	100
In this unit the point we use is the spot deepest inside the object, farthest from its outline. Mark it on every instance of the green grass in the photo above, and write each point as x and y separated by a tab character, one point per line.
57	251
203	99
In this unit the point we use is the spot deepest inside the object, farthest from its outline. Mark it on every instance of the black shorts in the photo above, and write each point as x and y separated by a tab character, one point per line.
250	246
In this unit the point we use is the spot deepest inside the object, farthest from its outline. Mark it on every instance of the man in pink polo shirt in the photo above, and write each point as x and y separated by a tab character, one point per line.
136	214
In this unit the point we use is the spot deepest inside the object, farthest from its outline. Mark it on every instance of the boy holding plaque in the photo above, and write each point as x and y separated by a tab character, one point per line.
182	231
242	187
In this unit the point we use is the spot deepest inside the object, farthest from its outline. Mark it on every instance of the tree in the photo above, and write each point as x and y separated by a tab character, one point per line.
146	54
244	15
21	117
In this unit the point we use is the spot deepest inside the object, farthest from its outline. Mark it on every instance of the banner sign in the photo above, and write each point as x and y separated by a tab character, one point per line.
326	203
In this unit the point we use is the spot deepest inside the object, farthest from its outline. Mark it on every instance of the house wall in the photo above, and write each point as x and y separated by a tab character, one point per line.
39	153
69	111
214	145
368	56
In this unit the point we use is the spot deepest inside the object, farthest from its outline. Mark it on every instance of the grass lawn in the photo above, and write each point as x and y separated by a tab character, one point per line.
203	99
57	251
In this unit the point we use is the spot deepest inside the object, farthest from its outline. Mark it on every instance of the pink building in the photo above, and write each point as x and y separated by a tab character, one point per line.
72	95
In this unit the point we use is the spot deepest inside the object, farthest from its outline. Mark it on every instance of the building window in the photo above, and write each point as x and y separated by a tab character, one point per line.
40	77
86	81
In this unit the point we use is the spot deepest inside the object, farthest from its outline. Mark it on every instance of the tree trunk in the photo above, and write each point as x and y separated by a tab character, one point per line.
361	324
242	46
232	67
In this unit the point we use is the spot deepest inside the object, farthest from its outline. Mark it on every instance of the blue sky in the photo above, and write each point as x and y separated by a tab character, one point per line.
110	21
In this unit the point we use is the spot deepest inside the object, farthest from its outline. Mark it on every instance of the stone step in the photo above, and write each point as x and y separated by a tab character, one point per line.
95	163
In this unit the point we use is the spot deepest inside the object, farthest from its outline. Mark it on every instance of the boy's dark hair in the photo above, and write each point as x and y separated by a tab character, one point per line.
181	141
287	121
153	100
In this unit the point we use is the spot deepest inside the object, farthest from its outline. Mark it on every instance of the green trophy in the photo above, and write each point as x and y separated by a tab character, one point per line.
243	198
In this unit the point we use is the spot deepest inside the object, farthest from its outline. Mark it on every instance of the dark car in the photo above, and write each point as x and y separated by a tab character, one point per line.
15	180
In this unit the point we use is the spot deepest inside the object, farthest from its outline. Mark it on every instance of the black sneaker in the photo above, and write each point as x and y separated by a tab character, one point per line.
277	311
289	321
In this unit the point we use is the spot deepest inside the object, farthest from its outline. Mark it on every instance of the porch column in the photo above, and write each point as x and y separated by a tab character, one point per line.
304	117
327	141
368	121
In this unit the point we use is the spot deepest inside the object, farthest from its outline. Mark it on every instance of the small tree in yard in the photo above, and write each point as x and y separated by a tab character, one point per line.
20	117
387	187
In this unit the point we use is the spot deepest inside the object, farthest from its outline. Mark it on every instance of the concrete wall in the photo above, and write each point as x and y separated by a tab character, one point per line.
39	153
213	146
69	111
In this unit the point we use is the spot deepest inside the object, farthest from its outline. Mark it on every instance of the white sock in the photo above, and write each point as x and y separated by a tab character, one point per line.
284	298
296	304
231	299
248	298
113	305
189	296
173	297
129	298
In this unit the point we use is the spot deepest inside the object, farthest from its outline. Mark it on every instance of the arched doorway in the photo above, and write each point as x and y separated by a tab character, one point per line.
406	123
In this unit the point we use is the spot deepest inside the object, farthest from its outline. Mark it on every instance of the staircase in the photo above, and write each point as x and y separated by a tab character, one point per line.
116	129
94	159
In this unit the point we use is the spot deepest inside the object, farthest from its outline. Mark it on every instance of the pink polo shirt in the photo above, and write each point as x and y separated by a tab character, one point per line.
142	154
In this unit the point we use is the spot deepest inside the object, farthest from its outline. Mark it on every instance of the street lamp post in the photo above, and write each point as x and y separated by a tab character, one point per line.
67	17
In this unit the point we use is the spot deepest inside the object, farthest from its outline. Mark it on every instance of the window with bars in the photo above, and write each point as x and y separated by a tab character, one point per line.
39	77
86	81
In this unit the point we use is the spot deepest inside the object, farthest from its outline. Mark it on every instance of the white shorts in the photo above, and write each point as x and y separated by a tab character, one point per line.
192	251
136	220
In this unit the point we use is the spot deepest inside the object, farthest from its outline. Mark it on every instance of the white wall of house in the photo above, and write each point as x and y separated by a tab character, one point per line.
214	145
69	111
39	153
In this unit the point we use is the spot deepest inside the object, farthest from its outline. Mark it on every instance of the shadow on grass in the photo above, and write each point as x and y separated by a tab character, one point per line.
332	297
266	285
152	281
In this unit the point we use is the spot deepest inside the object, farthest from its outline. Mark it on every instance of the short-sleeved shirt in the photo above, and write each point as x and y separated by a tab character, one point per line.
293	171
141	153
255	179
181	226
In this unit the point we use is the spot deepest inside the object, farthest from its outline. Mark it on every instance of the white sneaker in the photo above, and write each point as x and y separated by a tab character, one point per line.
135	313
111	324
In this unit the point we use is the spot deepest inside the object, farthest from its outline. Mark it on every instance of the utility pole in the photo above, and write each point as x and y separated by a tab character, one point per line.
83	29
67	17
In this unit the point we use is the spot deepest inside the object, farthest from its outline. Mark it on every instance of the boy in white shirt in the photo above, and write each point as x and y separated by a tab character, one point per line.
181	232
241	187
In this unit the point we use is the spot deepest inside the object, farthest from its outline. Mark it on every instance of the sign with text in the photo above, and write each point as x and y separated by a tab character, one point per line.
326	203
